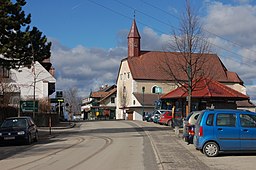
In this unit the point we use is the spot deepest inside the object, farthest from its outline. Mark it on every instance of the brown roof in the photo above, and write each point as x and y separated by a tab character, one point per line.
149	99
207	89
99	94
147	67
103	91
111	92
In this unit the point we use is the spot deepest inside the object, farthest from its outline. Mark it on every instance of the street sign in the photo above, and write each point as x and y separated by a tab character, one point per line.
59	94
57	100
28	106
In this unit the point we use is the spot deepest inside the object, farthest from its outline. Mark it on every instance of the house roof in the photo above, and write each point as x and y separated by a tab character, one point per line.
207	89
148	98
98	94
111	92
103	91
147	67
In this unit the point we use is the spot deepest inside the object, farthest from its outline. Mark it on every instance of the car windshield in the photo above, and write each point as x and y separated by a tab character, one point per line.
14	123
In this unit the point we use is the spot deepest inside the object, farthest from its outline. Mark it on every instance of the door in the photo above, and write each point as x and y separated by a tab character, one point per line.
248	131
227	131
130	116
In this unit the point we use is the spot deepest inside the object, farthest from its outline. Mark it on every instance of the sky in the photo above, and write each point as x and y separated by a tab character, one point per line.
89	37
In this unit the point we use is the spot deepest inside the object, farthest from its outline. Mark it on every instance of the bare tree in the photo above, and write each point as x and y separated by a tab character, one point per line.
9	96
187	65
123	98
71	97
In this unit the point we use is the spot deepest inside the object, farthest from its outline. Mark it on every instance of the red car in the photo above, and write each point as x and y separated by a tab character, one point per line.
167	118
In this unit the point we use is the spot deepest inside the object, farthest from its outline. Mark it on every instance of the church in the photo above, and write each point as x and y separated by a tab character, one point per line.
140	82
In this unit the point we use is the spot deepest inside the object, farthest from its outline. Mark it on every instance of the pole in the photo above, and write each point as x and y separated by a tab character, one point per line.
59	108
189	88
34	93
143	91
50	124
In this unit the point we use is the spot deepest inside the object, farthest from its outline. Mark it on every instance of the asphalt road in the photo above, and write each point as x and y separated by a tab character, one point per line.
115	145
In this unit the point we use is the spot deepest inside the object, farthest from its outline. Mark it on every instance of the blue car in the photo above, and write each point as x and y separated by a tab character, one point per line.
225	130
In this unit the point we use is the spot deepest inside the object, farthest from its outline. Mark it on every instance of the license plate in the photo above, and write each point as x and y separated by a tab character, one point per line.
9	138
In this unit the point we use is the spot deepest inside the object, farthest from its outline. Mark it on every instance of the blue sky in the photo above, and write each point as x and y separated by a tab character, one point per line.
90	36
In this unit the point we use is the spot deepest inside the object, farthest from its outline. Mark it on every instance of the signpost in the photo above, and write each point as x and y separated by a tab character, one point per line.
28	106
57	100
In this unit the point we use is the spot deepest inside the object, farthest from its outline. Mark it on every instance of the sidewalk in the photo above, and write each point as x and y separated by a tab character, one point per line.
47	132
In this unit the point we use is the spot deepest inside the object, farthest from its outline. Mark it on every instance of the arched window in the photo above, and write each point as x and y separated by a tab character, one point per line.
157	89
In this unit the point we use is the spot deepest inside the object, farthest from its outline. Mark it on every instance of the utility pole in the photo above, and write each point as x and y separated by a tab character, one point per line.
34	81
143	91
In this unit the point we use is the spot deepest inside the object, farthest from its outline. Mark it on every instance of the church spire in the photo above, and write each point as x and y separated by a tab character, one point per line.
134	41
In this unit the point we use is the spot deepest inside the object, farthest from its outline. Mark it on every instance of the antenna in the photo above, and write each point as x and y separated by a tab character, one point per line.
134	13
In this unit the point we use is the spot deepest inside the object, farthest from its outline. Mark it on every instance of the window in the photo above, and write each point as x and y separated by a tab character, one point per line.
209	120
124	76
134	102
247	120
121	76
226	120
4	72
112	100
128	75
157	90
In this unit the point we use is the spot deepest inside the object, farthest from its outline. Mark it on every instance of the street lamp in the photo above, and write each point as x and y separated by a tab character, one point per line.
143	91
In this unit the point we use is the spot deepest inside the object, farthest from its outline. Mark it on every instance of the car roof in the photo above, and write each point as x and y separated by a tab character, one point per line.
228	110
21	117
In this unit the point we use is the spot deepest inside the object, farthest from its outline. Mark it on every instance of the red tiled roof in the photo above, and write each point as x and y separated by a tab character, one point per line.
109	94
207	89
99	94
147	67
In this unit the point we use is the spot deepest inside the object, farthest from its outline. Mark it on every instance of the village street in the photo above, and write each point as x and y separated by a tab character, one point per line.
115	145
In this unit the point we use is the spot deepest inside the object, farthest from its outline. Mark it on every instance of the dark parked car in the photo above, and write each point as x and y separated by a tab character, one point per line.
147	117
18	130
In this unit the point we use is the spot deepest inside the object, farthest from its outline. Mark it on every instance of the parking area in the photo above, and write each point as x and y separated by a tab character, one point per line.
234	161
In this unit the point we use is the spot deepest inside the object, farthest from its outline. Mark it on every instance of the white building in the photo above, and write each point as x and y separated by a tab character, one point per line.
32	81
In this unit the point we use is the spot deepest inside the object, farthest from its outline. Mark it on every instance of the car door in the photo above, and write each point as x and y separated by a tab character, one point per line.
227	131
248	131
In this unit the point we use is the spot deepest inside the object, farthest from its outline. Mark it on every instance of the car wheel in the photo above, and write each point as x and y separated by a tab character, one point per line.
170	123
36	137
211	149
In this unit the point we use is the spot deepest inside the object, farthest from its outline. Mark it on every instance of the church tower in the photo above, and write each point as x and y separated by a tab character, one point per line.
134	41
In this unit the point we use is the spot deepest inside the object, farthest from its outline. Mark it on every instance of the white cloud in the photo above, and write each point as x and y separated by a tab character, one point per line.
243	1
235	43
152	41
234	22
85	68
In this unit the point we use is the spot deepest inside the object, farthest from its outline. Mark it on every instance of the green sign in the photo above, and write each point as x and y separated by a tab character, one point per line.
28	106
57	100
59	94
